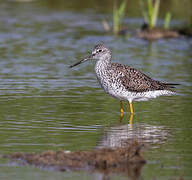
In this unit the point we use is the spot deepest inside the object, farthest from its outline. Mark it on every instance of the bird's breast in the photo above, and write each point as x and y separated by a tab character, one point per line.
107	79
103	76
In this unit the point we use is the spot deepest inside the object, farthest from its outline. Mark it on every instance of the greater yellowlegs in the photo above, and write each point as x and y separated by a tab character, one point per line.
124	82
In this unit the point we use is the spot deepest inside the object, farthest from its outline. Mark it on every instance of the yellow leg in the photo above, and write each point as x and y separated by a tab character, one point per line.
121	104
131	107
131	120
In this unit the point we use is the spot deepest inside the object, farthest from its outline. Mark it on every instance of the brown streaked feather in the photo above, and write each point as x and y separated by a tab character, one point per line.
135	81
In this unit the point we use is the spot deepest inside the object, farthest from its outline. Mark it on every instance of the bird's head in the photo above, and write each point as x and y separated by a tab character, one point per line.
100	52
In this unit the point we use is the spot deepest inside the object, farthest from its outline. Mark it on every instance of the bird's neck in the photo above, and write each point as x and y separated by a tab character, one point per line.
104	61
102	64
101	67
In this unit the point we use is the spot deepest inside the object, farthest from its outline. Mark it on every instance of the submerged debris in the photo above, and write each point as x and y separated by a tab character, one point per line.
127	159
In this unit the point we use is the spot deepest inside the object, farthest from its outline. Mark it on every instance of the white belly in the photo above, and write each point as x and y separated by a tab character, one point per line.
123	94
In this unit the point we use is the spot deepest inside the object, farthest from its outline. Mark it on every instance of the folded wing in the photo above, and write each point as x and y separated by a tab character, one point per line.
135	81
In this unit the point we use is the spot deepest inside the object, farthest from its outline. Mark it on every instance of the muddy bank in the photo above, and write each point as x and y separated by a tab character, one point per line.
127	159
156	33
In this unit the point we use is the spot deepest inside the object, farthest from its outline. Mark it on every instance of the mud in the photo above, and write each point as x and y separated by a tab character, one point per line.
157	33
127	160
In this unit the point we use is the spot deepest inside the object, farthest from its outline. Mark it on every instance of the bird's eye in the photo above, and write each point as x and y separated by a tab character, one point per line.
100	50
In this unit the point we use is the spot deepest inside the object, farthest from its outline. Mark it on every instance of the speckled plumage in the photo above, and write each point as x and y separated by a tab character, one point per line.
124	82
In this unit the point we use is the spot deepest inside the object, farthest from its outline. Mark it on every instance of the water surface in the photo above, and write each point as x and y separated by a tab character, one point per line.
45	105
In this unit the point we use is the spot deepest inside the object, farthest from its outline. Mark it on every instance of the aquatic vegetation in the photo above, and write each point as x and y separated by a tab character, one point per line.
167	20
149	29
118	15
150	10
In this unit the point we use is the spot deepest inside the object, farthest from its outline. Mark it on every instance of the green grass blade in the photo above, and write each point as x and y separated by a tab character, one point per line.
118	14
115	19
155	12
167	20
144	12
150	12
122	9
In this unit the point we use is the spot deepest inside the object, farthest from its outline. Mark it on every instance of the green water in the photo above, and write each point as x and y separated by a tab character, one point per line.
45	105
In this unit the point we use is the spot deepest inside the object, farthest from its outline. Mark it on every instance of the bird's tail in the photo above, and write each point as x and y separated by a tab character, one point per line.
171	85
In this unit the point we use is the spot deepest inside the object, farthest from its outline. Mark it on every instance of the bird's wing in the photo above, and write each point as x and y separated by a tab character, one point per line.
134	80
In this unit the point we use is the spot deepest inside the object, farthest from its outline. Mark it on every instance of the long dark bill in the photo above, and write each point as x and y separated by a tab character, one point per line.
83	60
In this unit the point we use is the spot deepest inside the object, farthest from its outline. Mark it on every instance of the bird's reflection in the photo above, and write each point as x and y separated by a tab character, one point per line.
144	133
133	171
130	119
119	135
122	113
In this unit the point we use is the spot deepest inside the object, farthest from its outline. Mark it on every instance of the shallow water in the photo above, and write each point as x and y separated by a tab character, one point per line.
45	105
